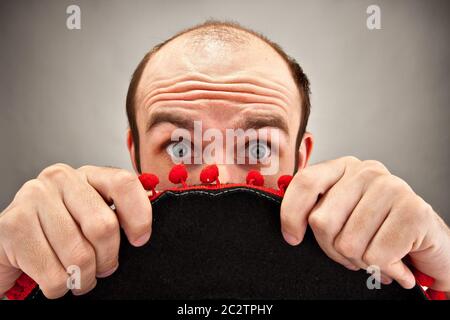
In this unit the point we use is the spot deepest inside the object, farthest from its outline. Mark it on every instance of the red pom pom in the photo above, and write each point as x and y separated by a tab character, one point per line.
255	178
209	174
149	181
423	279
21	290
178	174
283	182
436	295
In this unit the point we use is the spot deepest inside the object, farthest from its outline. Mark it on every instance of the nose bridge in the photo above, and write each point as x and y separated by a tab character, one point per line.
228	174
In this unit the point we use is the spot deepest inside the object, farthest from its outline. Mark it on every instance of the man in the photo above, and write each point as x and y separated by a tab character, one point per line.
227	77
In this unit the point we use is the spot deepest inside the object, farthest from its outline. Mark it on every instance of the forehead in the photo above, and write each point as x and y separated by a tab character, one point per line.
220	59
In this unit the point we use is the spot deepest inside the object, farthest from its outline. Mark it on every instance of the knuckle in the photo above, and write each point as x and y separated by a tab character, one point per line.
124	178
55	287
370	258
375	164
85	168
370	172
394	184
427	210
15	225
104	227
84	171
10	225
83	256
318	223
33	189
56	172
350	159
347	247
305	181
414	210
420	211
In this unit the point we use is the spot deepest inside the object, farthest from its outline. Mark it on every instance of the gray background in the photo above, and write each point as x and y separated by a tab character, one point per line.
380	94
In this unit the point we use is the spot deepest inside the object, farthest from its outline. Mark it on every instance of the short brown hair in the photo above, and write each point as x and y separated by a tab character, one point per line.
297	73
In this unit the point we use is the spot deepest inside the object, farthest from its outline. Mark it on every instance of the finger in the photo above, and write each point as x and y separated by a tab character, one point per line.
386	280
365	220
332	211
303	193
27	249
68	243
129	197
387	249
97	221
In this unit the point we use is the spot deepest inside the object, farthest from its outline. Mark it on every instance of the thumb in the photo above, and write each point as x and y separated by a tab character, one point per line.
402	274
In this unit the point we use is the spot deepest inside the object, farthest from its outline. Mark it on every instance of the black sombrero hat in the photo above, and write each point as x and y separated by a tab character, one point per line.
224	242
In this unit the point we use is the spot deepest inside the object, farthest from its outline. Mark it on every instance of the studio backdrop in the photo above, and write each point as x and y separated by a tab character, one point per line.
379	90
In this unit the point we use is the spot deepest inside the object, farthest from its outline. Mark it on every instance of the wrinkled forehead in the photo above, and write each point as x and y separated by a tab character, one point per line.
220	59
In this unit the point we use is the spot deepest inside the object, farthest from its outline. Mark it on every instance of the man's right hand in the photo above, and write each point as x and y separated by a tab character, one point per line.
63	218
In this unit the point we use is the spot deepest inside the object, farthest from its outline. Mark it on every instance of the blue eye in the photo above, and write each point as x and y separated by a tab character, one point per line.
179	151
258	151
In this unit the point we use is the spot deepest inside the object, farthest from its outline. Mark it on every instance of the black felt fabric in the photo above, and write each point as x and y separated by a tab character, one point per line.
227	244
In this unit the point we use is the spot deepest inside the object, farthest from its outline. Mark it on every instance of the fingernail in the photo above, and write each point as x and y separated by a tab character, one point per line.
410	283
352	267
292	240
108	273
76	292
142	240
385	280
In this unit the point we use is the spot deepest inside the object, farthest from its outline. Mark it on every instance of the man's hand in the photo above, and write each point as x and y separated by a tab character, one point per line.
64	218
362	215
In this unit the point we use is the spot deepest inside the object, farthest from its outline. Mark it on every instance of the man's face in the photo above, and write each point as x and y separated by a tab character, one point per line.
223	86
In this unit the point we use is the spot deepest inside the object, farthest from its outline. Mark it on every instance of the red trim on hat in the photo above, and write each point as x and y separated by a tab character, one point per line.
274	192
22	289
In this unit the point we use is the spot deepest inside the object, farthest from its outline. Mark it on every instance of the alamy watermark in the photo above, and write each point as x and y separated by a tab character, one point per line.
374	280
73	21
236	146
373	21
74	280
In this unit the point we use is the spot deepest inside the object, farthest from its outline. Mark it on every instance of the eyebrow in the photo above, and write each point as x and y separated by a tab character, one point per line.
165	116
258	121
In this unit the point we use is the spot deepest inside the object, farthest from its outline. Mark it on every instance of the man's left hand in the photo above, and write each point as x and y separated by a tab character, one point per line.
362	215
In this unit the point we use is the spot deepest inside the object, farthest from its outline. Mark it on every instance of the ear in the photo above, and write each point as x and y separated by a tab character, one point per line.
305	150
131	148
